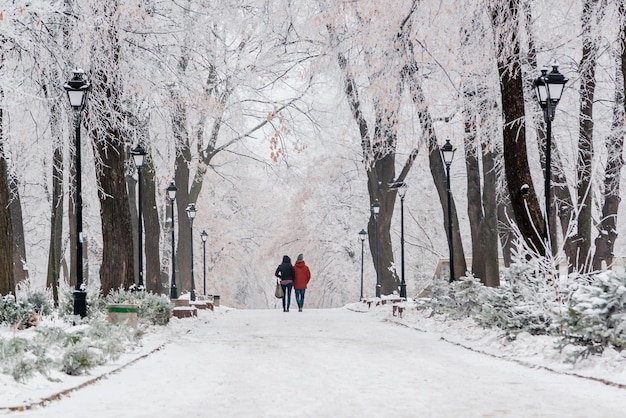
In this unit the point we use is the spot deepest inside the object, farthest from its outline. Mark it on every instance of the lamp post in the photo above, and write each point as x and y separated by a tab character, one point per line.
402	192
139	155
204	236
375	212
362	235
77	88
171	195
549	88
447	154
191	214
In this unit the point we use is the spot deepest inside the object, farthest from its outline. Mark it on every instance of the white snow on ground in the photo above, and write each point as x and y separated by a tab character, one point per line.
348	362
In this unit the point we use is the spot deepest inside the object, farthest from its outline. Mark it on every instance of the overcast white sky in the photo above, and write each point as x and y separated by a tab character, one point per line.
331	363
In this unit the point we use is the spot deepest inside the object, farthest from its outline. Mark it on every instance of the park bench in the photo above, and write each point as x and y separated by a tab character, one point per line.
383	301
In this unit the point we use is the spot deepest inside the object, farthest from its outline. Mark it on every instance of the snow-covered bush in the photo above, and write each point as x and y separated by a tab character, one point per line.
40	301
79	359
525	300
19	314
588	310
153	309
596	316
440	300
156	309
95	304
13	360
513	310
111	339
469	295
90	342
73	350
457	299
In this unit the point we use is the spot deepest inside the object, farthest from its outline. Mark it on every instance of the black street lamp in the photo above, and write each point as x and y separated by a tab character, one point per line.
375	212
204	236
77	88
362	235
191	214
402	186
139	155
447	153
171	195
549	88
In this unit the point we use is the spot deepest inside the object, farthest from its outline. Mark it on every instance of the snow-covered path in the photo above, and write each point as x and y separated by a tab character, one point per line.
328	363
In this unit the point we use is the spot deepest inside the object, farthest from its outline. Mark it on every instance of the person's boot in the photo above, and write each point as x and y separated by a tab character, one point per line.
300	309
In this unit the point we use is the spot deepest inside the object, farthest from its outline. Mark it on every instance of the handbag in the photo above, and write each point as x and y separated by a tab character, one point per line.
279	291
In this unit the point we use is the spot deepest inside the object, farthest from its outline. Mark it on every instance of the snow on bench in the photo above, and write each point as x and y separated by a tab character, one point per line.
383	300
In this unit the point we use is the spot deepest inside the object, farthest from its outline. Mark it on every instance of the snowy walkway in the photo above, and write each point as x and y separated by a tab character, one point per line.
327	363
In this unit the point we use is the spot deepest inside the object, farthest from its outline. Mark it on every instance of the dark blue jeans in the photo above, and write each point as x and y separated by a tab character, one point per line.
287	297
300	297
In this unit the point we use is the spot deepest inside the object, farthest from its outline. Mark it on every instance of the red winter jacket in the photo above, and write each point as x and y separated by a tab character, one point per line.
303	275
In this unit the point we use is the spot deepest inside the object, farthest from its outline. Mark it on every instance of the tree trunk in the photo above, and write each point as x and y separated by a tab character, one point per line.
474	198
152	232
117	268
71	219
525	205
55	251
587	71
490	219
19	250
7	279
563	209
170	222
605	241
382	251
505	229
480	205
183	245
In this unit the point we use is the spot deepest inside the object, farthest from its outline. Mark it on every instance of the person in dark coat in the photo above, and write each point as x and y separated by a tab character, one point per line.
286	274
301	279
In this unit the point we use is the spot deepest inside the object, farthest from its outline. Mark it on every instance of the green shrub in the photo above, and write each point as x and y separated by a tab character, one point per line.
153	309
19	314
523	302
596	316
23	370
156	309
79	359
40	302
21	358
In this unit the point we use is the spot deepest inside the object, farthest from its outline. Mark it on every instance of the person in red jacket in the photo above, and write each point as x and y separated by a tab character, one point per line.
302	277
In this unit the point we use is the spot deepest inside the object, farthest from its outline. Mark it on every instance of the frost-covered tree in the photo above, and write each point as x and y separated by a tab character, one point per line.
482	147
614	143
376	54
231	74
527	213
